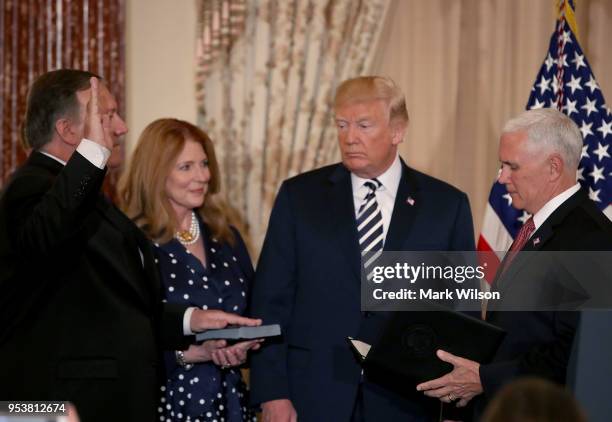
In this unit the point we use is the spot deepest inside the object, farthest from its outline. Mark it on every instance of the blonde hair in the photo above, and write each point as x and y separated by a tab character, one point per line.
371	88
142	187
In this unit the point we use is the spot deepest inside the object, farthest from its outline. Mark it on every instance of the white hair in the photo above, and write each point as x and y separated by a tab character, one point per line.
549	128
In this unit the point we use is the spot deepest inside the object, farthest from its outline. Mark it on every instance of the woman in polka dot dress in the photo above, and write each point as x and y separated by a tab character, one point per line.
171	190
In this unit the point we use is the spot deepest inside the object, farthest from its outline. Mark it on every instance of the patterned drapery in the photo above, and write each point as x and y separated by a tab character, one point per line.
220	23
266	102
41	35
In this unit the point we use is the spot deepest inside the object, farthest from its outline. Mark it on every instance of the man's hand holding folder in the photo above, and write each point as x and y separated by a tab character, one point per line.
462	383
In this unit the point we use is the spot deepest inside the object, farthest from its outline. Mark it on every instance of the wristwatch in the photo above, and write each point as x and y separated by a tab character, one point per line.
180	359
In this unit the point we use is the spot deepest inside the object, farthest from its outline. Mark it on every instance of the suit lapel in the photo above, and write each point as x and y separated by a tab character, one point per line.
407	203
536	242
135	273
344	225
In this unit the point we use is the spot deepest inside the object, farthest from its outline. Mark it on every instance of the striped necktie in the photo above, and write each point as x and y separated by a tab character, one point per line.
370	227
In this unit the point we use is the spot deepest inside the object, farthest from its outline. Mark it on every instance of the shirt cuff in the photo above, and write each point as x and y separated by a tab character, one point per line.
187	321
95	153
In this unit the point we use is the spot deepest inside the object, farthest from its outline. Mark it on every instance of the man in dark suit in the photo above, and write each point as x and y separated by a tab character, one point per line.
81	312
539	152
308	276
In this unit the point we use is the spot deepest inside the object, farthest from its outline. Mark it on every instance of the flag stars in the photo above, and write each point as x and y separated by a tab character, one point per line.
597	174
508	198
579	175
562	60
570	107
602	151
590	106
585	129
592	84
585	151
594	194
555	89
523	218
549	62
605	129
578	60
544	85
574	83
539	104
567	38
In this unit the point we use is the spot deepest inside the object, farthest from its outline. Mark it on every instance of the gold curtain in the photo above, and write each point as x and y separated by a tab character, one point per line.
41	35
266	100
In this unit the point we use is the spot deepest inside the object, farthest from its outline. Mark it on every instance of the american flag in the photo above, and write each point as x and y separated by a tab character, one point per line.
565	81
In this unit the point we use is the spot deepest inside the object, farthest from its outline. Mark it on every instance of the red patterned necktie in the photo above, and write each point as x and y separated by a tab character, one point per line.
521	238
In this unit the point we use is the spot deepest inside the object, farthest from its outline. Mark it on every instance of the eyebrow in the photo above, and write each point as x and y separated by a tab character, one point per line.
191	161
359	119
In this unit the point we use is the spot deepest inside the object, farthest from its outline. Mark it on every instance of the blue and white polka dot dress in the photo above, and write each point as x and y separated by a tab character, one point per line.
205	392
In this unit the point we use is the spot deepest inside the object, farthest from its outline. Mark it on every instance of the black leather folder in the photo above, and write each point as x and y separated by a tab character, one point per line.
409	341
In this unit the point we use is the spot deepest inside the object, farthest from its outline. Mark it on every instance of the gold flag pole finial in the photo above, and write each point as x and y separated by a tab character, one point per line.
565	9
566	18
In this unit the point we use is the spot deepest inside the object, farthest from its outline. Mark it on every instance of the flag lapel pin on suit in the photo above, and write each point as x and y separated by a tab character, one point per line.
410	201
536	241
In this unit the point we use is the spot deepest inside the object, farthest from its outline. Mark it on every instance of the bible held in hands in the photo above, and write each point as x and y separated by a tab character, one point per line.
232	332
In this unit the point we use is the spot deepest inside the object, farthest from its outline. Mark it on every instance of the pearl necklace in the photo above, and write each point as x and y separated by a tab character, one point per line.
191	236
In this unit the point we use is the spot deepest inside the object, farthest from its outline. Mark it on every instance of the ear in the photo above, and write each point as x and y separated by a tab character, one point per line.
398	130
67	131
556	166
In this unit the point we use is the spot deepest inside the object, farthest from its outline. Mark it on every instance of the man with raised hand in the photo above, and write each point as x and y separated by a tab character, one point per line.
82	317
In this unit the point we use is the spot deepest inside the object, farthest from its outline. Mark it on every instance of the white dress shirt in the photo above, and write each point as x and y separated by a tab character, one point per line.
385	195
95	153
540	217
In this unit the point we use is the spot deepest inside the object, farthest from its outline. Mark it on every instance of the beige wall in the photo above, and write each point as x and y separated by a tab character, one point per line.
160	42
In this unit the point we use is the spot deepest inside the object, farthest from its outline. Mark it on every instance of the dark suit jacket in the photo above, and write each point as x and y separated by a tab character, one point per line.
539	342
308	280
81	313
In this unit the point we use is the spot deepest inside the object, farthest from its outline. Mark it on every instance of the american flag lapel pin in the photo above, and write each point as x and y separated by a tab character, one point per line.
536	241
410	200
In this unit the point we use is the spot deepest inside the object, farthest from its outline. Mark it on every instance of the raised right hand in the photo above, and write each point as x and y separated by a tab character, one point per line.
280	410
97	125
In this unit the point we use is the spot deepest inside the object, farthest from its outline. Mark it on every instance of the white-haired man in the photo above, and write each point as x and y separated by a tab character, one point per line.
539	151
